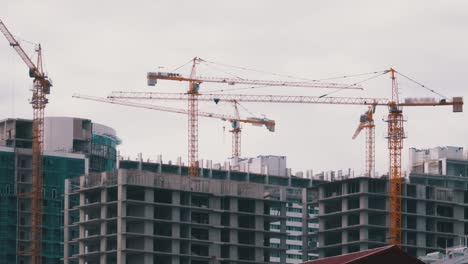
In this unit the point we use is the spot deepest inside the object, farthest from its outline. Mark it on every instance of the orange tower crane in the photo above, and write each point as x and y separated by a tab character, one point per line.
234	120
41	88
395	127
367	123
193	93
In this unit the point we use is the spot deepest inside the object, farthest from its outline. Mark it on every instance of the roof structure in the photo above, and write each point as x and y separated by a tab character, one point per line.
383	255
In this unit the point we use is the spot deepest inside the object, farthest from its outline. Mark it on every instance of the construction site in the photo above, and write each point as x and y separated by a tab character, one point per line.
72	190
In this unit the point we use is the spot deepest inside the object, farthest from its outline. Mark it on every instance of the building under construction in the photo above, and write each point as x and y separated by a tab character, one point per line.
72	147
353	213
155	213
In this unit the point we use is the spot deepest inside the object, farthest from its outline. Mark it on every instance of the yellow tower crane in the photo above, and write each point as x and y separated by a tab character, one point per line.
193	92
41	88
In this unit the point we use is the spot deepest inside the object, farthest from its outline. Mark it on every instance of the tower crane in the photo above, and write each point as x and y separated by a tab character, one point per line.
234	120
367	123
395	133
41	88
193	92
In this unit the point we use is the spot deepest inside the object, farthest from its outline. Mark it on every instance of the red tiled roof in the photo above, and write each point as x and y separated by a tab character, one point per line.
383	255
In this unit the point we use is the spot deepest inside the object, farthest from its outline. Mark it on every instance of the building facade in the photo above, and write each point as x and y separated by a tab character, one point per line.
136	216
244	217
59	163
353	216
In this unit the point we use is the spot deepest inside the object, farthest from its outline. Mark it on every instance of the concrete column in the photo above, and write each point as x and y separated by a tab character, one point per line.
344	222
66	204
233	236
321	209
259	255
420	222
363	186
103	245
321	222
364	237
421	239
321	242
420	208
175	260
344	205
363	218
81	244
175	226
259	224
283	224
233	208
344	236
344	249
214	249
149	214
305	226
363	202
233	252
344	188
121	223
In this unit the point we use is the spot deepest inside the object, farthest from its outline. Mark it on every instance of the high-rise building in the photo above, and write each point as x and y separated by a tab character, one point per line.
296	209
135	216
160	215
353	213
68	153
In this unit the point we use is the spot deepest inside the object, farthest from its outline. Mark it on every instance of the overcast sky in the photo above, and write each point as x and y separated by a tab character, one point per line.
95	47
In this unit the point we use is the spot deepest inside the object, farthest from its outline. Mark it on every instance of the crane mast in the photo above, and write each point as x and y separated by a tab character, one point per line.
236	134
395	145
41	88
193	121
367	123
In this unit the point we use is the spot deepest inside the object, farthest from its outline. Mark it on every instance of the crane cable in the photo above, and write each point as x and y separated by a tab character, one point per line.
378	74
178	68
422	85
290	76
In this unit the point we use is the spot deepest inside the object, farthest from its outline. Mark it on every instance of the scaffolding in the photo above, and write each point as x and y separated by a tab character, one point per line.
15	210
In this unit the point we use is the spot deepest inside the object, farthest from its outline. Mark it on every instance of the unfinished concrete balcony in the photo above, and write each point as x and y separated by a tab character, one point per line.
246	221
163	196
245	237
377	219
201	218
199	250
199	234
333	222
91	233
136	210
162	229
200	201
135	226
332	207
91	217
162	213
246	205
